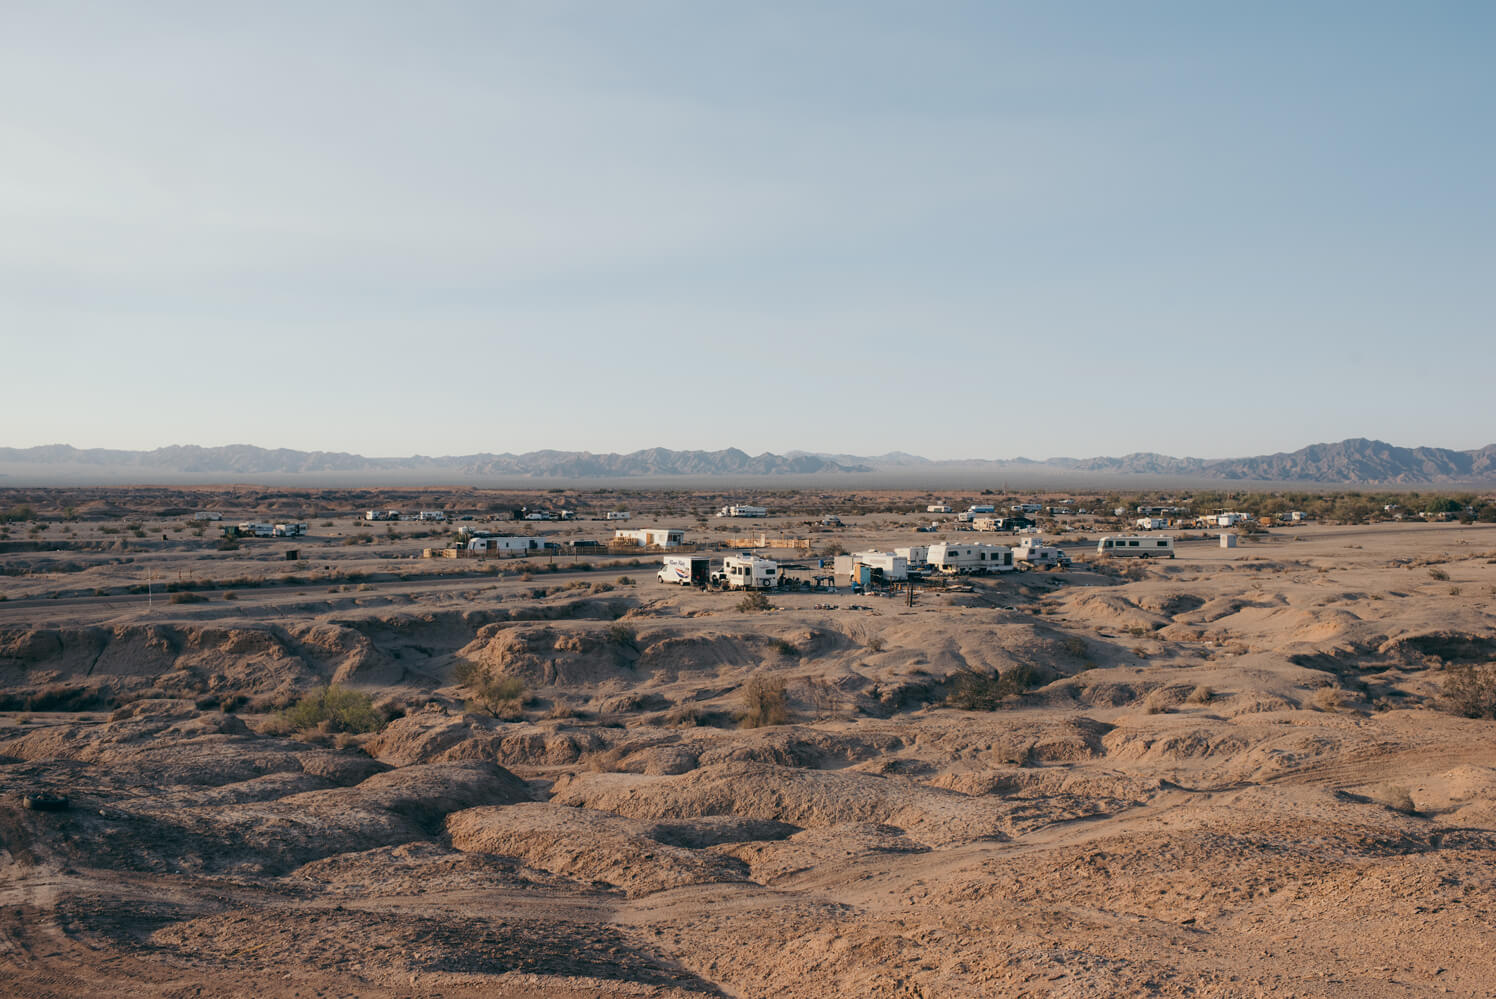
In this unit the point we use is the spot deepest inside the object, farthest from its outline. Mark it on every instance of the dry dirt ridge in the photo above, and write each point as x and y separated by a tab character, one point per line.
1232	779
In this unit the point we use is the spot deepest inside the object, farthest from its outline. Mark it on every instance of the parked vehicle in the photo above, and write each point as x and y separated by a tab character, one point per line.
747	572
954	558
1035	552
1134	546
686	570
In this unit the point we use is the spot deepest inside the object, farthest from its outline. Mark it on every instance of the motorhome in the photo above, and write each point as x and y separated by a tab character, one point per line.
1132	546
516	545
743	511
747	572
1036	553
963	558
977	508
686	570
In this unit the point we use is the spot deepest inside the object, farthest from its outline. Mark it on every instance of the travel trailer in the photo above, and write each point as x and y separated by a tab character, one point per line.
962	558
657	537
1132	546
1036	553
882	567
506	544
686	570
747	572
743	511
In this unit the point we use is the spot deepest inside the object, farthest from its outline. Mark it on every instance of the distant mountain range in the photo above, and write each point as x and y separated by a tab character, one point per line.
1356	461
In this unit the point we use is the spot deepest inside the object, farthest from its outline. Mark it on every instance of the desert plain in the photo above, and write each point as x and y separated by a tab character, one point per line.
1235	773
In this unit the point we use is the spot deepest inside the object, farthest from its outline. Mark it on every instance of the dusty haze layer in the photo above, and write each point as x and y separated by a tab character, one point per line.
1229	778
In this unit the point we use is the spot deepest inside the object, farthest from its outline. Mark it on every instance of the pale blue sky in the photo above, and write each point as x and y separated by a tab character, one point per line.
957	229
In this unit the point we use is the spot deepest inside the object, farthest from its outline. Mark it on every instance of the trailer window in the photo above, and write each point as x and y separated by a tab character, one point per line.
1163	544
1132	544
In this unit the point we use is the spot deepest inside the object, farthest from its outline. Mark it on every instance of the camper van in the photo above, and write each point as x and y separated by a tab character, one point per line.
1037	554
1132	546
961	558
747	572
685	570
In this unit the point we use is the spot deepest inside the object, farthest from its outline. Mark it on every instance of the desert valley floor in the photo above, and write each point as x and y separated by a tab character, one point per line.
1231	775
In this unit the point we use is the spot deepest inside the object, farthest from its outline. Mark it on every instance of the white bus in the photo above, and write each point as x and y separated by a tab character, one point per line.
1133	546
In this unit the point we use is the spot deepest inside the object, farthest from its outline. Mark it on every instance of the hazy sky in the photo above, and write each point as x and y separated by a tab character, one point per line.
958	229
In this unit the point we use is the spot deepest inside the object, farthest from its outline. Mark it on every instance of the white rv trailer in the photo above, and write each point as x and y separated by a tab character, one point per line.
295	530
658	537
686	570
986	524
743	511
207	515
506	544
1132	546
617	515
1036	553
963	558
432	515
981	508
938	508
914	554
883	567
747	572
1152	523
256	529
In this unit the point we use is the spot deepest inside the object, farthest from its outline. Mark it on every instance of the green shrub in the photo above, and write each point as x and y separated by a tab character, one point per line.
188	597
764	702
755	601
333	709
503	697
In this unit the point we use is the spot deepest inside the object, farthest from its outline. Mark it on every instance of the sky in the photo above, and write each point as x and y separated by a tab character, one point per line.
956	229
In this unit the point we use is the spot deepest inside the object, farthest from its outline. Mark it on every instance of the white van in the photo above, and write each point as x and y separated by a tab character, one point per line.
685	570
1133	546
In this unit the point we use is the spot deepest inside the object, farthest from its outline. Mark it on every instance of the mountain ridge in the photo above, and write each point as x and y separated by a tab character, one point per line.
1349	462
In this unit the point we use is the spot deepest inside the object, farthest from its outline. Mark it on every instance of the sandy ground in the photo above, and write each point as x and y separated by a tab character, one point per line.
1231	778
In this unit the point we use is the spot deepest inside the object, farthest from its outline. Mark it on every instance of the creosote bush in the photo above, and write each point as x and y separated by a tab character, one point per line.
755	600
764	702
1469	691
504	697
976	691
332	709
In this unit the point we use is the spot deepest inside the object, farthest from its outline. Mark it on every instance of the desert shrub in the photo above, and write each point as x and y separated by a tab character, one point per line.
1469	691
1439	574
1160	702
332	709
622	634
764	702
601	587
754	601
785	647
228	544
188	597
1201	695
977	691
625	581
1075	647
17	513
876	644
1329	699
504	697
